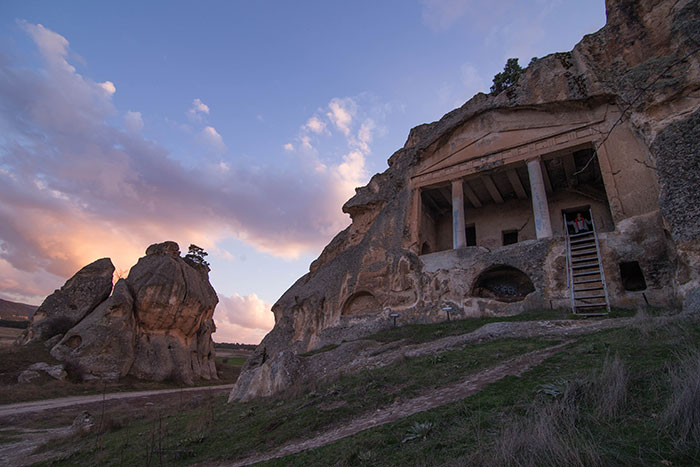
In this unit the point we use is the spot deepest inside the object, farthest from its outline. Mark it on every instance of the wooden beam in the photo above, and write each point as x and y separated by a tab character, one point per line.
545	177
493	190
516	184
569	170
471	196
446	193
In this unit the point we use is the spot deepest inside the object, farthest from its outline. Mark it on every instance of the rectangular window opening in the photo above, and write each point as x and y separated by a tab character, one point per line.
510	237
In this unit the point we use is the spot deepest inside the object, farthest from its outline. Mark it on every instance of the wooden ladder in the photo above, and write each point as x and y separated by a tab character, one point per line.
585	276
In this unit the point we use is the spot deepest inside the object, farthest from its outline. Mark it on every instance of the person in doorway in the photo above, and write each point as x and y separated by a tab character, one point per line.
580	223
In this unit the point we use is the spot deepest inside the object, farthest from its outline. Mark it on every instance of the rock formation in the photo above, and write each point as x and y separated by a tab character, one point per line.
64	308
627	96
156	324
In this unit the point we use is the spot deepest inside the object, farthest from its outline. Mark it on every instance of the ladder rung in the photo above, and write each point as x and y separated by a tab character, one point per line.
582	259
589	273
585	247
584	266
583	240
588	289
588	281
580	234
597	305
586	297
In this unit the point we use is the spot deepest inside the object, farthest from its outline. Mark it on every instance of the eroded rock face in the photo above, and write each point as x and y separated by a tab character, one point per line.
376	262
66	307
101	346
156	325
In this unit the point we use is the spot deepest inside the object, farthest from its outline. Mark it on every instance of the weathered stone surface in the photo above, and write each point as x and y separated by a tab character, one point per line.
101	346
156	325
633	83
66	307
27	376
169	292
55	371
173	306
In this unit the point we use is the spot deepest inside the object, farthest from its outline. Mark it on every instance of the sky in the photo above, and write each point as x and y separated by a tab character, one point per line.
241	127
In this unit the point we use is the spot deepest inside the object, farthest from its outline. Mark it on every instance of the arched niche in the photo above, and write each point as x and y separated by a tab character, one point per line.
425	248
361	303
503	283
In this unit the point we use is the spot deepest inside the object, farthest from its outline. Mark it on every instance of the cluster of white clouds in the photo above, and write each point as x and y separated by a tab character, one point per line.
74	188
242	319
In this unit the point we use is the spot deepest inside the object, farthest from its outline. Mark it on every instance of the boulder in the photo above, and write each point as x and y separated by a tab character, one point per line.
101	346
173	306
27	376
64	308
55	371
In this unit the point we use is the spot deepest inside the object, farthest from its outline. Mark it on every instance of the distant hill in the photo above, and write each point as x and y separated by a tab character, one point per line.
16	311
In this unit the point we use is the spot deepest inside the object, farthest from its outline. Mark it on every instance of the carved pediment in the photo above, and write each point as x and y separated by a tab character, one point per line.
506	130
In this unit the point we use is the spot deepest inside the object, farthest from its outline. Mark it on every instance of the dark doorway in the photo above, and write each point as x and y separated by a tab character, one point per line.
632	276
570	215
471	235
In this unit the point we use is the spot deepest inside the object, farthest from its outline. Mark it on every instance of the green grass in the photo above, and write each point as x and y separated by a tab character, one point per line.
325	348
470	431
224	430
231	361
566	393
419	333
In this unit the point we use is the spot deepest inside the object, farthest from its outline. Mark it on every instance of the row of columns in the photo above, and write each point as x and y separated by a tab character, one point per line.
540	208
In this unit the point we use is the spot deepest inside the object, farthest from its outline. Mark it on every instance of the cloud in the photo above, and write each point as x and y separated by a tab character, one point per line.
440	15
289	147
198	109
210	137
248	312
133	122
341	113
108	87
315	124
74	188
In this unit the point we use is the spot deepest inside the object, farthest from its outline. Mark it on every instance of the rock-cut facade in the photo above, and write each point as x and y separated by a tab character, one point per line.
473	216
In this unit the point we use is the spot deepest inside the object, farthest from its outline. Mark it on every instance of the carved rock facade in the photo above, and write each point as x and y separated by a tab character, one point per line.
468	220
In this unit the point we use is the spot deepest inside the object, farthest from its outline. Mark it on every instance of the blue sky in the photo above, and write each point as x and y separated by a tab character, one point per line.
239	126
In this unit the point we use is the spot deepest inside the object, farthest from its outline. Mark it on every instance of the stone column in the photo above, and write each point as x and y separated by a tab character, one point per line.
540	208
459	234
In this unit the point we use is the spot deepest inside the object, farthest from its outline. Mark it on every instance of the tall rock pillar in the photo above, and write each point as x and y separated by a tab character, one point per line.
540	208
459	234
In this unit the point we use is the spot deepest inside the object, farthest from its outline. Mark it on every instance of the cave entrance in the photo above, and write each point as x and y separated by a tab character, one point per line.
632	276
503	283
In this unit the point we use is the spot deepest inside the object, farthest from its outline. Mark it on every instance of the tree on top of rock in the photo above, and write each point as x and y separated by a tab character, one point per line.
196	255
508	77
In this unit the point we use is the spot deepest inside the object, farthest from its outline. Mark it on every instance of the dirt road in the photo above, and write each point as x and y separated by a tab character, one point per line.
50	404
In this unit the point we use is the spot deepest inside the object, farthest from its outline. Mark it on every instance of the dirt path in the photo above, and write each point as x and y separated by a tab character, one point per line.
21	452
50	404
405	408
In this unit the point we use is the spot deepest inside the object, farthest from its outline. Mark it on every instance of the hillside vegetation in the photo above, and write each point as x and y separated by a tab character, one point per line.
629	395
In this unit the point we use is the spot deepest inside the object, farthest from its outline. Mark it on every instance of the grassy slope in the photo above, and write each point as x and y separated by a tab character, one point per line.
563	398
